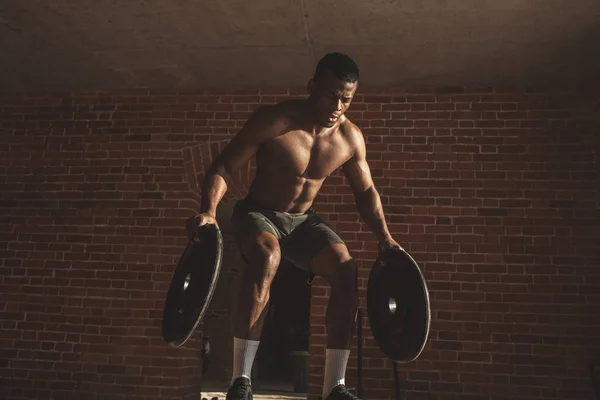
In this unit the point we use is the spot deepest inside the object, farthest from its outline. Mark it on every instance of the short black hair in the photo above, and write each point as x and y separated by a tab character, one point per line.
341	65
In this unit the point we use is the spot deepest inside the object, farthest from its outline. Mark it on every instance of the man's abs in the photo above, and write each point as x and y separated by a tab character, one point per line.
283	192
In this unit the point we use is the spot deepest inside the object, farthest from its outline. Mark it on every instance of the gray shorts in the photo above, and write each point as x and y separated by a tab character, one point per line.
300	237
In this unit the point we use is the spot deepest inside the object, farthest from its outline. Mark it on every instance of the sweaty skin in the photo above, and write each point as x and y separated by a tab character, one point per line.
297	145
294	156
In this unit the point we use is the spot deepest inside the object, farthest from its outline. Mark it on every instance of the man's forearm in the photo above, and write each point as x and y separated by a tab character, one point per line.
368	204
214	188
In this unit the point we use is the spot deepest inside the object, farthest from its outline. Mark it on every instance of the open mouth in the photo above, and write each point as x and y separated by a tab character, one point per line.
333	117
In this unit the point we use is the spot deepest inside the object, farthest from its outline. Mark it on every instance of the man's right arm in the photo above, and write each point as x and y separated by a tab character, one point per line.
262	125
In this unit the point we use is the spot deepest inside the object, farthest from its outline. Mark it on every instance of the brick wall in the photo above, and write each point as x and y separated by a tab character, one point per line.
93	202
494	192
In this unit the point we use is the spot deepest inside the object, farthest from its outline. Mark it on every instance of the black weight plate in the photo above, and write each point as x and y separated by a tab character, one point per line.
192	286
398	306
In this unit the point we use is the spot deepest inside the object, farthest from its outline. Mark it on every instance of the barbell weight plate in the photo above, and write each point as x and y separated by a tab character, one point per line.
192	286
398	306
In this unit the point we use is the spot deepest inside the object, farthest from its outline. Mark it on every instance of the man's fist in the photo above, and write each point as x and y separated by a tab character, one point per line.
388	243
195	224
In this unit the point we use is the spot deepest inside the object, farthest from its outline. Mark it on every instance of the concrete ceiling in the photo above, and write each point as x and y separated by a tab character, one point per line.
70	45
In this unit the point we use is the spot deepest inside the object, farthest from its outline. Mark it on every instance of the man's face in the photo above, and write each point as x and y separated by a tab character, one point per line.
332	98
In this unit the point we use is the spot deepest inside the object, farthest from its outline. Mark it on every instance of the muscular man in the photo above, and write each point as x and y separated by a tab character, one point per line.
297	145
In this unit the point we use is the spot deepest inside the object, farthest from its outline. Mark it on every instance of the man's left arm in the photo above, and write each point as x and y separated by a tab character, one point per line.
368	201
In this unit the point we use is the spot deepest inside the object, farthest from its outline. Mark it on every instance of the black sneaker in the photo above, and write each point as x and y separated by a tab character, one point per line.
240	390
341	393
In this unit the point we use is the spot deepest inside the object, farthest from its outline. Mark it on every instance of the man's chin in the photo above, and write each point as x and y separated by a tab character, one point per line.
328	123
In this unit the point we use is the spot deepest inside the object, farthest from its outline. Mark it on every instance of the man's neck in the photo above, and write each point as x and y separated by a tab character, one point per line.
313	125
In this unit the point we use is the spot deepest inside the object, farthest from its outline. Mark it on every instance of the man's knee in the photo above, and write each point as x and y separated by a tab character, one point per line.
335	264
262	253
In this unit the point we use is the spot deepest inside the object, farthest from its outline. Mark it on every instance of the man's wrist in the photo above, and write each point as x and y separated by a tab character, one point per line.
211	212
382	237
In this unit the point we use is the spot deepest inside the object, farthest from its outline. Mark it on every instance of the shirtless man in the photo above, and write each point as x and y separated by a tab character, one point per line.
297	145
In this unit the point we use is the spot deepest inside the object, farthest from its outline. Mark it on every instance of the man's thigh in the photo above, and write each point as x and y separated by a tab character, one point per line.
307	241
247	224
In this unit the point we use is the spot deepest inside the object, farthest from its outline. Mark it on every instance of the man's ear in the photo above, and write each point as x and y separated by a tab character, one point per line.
310	87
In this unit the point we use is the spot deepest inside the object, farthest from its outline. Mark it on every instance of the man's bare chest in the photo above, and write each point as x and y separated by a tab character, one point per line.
306	155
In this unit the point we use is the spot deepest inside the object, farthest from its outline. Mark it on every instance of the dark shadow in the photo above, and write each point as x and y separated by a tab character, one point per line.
595	372
574	62
283	353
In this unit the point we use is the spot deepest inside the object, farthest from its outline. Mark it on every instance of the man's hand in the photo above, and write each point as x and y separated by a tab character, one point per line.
388	243
195	224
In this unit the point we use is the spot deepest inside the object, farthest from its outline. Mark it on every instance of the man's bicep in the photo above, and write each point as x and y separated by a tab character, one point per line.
236	154
358	174
357	170
244	145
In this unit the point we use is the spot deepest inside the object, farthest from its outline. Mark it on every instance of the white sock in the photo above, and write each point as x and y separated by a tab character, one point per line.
244	352
336	361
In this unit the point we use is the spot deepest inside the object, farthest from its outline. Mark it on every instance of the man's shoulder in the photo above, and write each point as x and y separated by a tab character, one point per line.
281	114
350	130
273	119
